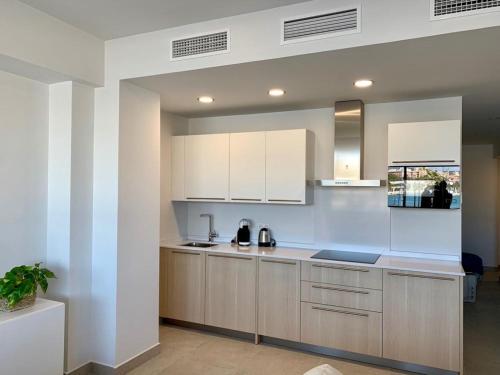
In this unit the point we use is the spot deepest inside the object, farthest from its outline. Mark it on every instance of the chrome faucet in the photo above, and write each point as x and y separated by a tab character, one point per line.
211	232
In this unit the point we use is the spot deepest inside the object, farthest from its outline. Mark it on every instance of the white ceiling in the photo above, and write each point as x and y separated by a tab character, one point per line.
109	19
459	64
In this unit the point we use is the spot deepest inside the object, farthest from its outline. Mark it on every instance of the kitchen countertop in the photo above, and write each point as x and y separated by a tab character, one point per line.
443	267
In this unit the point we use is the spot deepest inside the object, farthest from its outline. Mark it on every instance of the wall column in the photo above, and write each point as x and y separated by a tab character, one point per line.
69	211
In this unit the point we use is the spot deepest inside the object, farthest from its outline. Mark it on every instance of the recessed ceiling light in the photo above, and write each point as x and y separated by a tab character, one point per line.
276	92
363	83
205	99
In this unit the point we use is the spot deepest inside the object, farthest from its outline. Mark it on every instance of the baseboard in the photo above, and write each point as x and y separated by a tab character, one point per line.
94	368
82	370
136	361
377	361
215	330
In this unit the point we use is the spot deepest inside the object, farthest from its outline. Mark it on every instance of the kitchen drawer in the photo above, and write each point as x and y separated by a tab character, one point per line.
337	295
341	328
340	274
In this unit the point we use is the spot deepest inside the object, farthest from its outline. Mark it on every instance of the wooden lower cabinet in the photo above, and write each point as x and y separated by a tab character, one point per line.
231	284
416	318
341	328
279	298
183	285
422	322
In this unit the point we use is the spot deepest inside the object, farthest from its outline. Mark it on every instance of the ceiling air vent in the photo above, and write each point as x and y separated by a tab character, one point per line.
454	8
323	25
200	45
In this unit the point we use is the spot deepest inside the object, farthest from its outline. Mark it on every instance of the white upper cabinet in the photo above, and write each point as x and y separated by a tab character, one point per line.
247	181
253	167
207	167
287	166
436	142
177	164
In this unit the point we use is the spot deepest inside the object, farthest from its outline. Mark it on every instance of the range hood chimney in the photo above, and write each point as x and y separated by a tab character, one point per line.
348	148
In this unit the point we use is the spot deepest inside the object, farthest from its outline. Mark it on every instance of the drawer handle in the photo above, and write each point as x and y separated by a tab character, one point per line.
340	268
340	311
278	261
421	276
228	256
284	200
207	199
247	199
422	161
184	252
340	289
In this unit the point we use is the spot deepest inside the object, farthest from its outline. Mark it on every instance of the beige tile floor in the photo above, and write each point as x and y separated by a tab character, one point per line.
187	352
482	331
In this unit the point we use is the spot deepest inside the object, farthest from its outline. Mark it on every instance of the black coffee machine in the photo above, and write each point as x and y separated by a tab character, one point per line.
243	235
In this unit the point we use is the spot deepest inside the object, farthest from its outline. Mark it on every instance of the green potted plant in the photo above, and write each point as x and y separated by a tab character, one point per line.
19	286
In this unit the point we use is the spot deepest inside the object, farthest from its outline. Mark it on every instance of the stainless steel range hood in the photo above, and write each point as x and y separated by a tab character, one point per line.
348	147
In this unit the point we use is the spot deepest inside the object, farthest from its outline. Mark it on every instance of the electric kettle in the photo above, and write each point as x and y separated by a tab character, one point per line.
265	239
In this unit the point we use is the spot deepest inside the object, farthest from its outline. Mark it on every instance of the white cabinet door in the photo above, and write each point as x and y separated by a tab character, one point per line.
177	164
247	181
207	167
425	142
286	164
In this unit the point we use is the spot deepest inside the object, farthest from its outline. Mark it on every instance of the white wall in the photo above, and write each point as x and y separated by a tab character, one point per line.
35	44
24	112
480	179
104	230
69	217
138	222
256	36
59	186
126	223
82	143
350	218
173	219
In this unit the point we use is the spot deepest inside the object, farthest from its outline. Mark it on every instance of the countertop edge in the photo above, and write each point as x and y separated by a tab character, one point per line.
408	264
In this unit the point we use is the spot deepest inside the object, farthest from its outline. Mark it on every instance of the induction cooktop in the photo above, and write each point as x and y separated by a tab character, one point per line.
347	256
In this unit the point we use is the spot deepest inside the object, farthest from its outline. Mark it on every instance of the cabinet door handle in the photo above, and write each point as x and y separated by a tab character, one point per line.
340	311
278	261
422	161
229	256
421	276
341	268
184	252
284	200
207	199
340	289
247	199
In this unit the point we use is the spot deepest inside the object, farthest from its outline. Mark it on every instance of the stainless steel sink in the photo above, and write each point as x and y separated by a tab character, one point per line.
199	244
